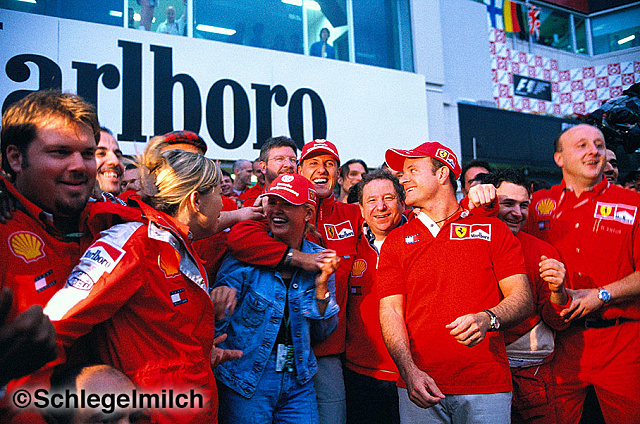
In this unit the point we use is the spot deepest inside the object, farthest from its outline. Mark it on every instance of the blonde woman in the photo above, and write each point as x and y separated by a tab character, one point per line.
140	289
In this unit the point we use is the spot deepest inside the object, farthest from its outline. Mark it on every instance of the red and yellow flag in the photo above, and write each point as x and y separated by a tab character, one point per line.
510	12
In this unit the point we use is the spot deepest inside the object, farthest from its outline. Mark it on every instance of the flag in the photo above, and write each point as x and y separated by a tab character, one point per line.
534	21
510	12
493	11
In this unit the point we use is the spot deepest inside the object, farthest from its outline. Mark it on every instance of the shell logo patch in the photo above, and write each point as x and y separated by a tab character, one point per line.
169	262
625	214
545	207
467	232
26	245
339	231
358	268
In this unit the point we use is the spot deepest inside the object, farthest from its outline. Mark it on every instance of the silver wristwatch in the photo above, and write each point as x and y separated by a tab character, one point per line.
495	321
604	295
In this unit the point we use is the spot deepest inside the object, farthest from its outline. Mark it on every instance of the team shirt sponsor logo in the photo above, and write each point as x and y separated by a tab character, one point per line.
339	231
358	268
412	239
446	156
169	262
178	297
466	232
44	281
312	195
26	245
625	214
356	290
82	280
545	207
103	255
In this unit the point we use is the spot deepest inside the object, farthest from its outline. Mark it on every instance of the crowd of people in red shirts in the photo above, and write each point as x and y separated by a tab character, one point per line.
326	292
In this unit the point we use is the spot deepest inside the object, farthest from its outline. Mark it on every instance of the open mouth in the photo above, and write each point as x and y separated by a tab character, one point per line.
320	181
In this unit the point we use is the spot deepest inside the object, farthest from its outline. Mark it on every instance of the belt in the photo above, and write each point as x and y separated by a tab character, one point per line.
601	323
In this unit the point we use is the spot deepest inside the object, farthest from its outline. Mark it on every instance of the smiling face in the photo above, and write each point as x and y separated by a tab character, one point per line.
419	181
281	160
58	171
322	171
354	175
611	167
514	205
226	186
287	222
381	208
581	155
109	164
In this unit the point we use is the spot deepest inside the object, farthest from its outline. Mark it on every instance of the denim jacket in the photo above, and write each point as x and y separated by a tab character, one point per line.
254	325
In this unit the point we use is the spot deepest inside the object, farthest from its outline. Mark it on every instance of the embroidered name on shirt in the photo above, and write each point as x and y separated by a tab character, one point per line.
467	232
412	239
615	212
358	268
177	297
44	281
339	231
26	245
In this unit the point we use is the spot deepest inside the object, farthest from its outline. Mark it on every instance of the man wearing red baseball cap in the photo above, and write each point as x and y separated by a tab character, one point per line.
448	281
339	226
277	313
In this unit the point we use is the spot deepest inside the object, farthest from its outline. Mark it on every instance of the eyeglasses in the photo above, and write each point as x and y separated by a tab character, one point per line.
282	159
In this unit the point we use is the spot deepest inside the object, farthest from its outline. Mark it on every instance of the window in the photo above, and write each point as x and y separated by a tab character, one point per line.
616	31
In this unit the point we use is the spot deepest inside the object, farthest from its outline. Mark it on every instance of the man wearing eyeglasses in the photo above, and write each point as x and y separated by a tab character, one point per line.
278	155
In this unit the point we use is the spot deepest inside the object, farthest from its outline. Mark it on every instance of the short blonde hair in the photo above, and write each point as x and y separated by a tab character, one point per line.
169	176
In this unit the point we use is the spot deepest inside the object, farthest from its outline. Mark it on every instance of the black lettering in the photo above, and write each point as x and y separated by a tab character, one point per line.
131	92
49	75
318	116
88	76
264	95
163	83
215	114
40	398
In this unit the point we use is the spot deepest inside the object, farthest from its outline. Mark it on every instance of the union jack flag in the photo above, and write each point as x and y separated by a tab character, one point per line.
534	21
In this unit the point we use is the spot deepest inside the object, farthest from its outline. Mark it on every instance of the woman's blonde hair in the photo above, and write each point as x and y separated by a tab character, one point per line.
169	176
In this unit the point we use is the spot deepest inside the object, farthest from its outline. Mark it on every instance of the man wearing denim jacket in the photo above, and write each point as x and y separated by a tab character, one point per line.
274	318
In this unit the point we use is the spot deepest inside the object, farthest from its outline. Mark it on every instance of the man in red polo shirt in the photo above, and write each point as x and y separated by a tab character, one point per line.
594	225
530	344
370	374
49	139
448	281
338	226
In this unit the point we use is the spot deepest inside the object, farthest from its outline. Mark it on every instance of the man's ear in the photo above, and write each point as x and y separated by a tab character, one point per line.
14	158
557	157
443	174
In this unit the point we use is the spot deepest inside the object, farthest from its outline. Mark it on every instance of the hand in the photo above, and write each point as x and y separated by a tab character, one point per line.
422	389
224	301
328	262
220	356
583	302
7	204
481	195
251	213
553	272
310	262
470	329
27	343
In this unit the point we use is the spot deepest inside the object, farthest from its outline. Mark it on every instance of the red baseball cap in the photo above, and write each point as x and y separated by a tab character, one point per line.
317	147
294	188
395	157
184	140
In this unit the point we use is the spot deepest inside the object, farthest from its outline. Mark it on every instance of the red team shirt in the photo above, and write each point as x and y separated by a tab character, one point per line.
597	236
444	277
365	351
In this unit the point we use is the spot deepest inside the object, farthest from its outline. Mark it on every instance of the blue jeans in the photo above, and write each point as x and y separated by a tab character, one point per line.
492	408
278	399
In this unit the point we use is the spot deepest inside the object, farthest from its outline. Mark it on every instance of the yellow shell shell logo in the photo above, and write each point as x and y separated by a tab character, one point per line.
546	206
27	246
358	268
169	262
605	210
461	231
